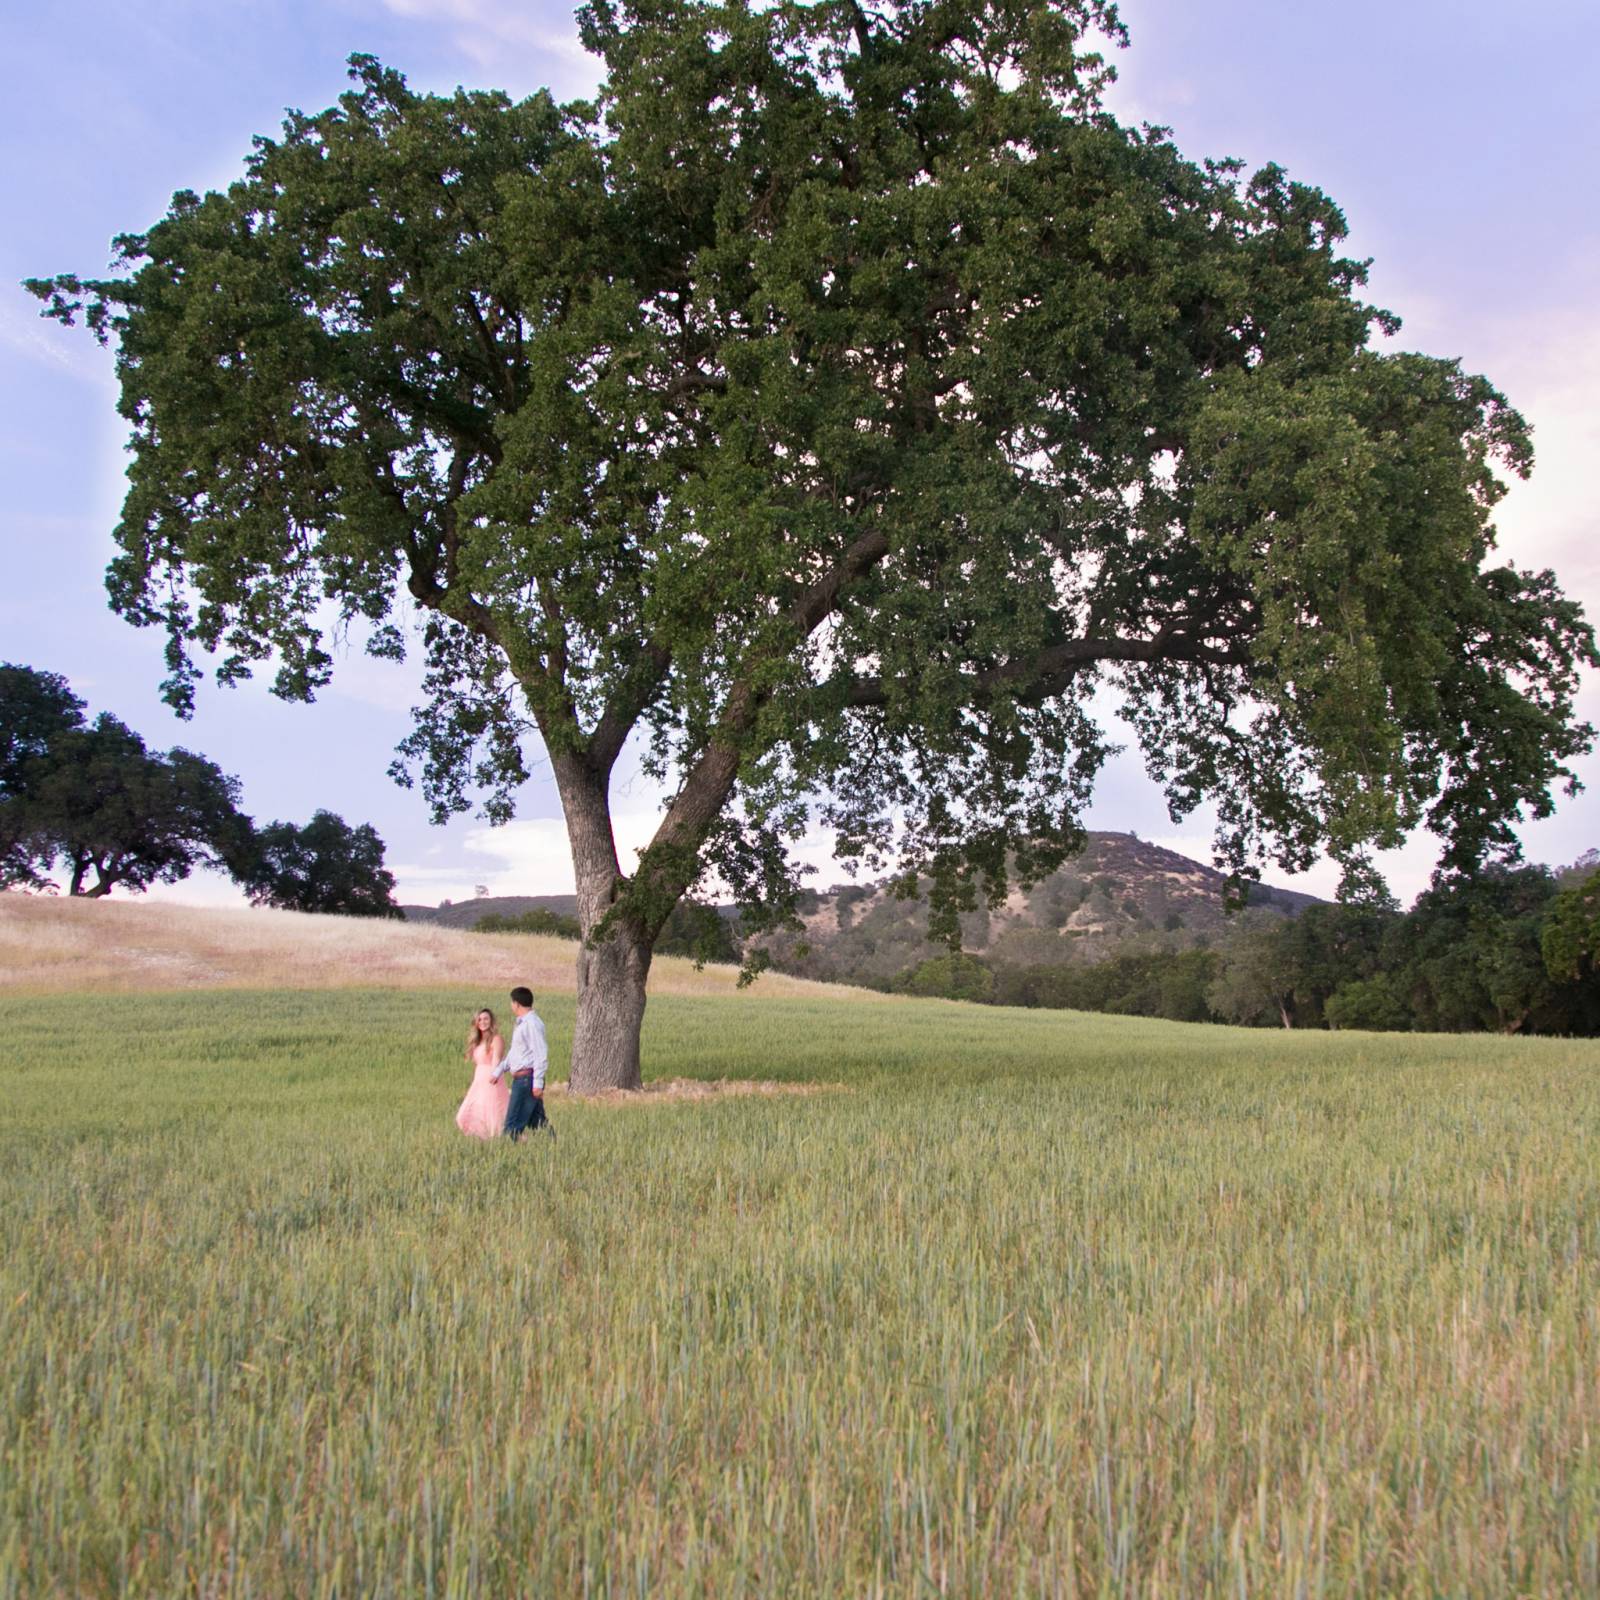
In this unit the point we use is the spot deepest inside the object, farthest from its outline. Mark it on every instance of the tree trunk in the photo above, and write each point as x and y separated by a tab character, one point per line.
611	996
612	973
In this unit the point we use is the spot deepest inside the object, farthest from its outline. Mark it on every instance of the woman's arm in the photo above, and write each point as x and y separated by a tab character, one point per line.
497	1051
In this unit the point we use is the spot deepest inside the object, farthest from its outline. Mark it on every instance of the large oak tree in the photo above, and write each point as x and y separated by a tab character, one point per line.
833	408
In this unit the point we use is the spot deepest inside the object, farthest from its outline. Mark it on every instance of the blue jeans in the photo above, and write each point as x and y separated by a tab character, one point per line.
526	1109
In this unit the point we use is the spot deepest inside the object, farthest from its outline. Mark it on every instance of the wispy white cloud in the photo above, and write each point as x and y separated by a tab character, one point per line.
69	350
526	856
520	42
530	855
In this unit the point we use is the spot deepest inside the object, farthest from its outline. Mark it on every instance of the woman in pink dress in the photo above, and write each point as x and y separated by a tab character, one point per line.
483	1112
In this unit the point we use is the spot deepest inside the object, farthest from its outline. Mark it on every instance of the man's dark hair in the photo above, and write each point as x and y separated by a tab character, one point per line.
522	997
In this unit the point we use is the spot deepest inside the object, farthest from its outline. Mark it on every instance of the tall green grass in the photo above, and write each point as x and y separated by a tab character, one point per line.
1034	1305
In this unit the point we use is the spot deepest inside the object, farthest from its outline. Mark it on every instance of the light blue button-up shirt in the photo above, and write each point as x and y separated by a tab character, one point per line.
528	1050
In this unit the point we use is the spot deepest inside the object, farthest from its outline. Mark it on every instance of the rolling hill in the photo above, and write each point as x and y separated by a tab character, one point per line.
1120	893
92	948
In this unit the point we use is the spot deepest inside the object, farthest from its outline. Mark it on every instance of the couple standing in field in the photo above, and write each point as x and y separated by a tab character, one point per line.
491	1106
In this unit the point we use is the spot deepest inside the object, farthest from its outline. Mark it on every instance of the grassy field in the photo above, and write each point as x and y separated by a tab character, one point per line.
1035	1304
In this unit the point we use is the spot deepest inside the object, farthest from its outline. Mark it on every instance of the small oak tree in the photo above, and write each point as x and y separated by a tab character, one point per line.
36	708
326	866
833	406
98	802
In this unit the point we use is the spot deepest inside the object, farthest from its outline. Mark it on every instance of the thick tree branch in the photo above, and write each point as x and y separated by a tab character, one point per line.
1049	670
817	603
501	380
862	29
709	782
626	705
691	382
434	577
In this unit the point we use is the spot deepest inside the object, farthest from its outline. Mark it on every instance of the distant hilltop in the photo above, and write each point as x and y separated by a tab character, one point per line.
1119	892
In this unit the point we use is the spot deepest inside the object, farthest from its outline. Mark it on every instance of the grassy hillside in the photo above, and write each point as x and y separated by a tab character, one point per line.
1036	1303
90	947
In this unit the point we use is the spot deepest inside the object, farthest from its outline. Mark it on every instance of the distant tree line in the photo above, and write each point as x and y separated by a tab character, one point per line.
538	920
1510	950
693	929
86	807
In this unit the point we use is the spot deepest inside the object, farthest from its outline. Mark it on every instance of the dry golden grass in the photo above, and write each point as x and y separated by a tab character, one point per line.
50	945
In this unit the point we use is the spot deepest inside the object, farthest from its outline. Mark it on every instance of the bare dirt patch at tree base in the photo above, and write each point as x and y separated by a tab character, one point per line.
665	1091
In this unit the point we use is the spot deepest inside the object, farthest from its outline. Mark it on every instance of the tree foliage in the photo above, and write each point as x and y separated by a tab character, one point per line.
1473	959
1472	954
538	919
952	976
1325	947
838	405
1571	938
1376	1004
36	708
326	866
1251	985
1140	983
98	802
699	931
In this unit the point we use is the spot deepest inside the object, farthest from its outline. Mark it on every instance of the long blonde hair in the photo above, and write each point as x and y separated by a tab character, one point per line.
476	1035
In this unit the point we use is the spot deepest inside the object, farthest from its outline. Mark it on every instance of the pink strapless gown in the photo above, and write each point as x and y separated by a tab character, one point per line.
483	1112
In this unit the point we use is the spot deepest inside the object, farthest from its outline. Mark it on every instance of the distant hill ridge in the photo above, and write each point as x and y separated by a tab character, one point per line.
1120	892
465	913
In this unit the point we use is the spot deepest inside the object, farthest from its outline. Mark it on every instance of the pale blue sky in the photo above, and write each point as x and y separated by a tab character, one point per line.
1459	138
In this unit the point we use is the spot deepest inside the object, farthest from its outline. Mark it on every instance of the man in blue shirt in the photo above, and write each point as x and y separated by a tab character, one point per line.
527	1061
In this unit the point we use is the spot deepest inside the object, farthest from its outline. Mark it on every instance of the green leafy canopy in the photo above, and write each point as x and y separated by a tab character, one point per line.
90	798
327	866
840	401
1571	935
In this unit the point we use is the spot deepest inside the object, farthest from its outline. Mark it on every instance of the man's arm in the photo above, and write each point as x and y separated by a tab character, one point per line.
513	1061
538	1051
